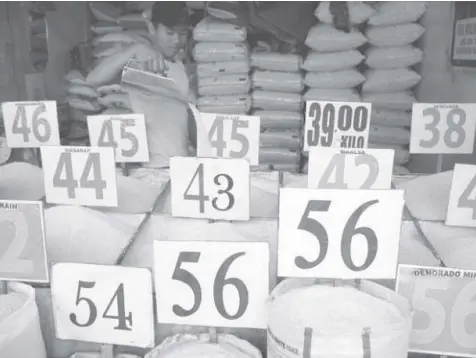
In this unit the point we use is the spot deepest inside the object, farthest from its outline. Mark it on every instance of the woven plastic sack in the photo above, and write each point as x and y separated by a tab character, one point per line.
279	119
391	118
223	85
397	35
358	12
397	101
385	58
231	109
293	168
274	61
104	11
269	100
242	101
338	95
280	139
214	30
104	27
193	345
389	135
334	80
220	51
278	156
21	181
395	80
20	331
123	37
277	81
226	68
326	38
397	12
346	321
335	61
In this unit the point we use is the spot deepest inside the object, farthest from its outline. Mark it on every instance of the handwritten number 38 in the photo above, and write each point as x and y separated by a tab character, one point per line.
453	127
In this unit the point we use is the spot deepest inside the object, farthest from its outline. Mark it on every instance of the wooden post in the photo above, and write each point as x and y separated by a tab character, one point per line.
107	351
439	163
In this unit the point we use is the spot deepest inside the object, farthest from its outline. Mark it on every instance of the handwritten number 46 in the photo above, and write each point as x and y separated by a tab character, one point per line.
20	124
91	168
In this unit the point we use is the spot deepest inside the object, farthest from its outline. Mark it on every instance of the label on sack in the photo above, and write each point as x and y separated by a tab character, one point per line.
337	124
126	133
443	300
103	304
335	168
345	234
210	188
230	136
31	124
80	175
22	241
462	202
443	128
219	284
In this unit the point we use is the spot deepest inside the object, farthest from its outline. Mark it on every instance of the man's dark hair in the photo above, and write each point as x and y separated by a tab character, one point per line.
170	13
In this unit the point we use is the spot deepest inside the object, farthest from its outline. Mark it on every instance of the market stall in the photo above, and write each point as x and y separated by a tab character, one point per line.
285	222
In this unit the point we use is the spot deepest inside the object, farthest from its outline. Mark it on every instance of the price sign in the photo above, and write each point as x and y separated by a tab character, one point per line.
231	136
443	128
31	124
103	304
210	188
22	241
126	133
339	233
79	175
5	151
462	202
334	168
444	322
336	124
212	283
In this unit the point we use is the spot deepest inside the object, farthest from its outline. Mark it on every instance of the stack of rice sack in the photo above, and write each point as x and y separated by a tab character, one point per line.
221	54
277	84
331	63
392	31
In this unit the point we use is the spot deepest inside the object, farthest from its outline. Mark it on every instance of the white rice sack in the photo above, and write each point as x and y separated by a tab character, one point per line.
389	135
104	11
280	139
122	37
335	80
335	61
397	35
358	12
395	80
278	156
391	118
384	58
241	109
397	12
293	167
274	61
104	27
398	101
240	103
326	38
220	51
277	81
223	85
214	30
338	95
225	68
279	119
269	100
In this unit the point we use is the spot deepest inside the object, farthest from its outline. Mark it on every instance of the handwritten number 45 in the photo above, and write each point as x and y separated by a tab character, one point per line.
20	124
219	144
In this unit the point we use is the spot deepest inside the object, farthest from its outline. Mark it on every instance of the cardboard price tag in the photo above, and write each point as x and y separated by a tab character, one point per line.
126	133
22	241
443	300
462	202
80	175
103	304
334	168
336	124
231	136
344	234
211	283
31	124
210	188
443	128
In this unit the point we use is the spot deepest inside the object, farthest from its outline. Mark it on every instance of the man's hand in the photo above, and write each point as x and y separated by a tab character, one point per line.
151	60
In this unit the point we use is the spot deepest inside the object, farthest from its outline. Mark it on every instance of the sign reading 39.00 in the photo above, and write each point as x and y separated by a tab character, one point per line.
336	124
210	188
443	298
339	233
31	124
230	136
80	175
443	128
211	284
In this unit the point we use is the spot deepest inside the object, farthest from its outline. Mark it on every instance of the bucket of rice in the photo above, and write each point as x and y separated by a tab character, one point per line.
358	320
